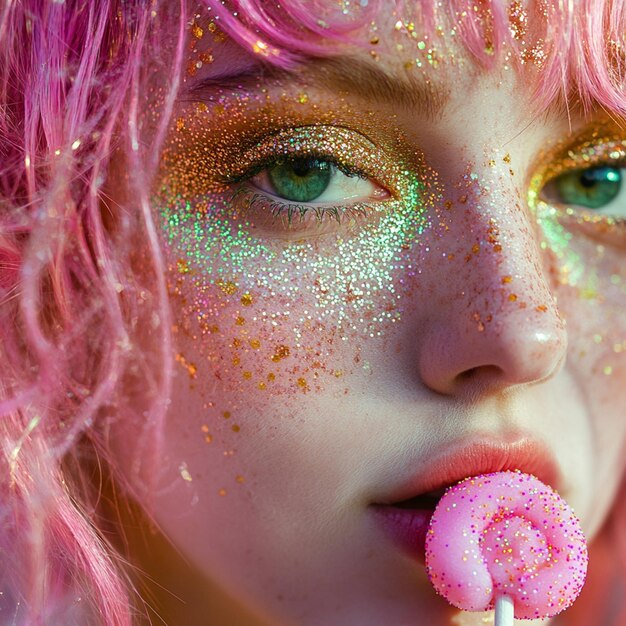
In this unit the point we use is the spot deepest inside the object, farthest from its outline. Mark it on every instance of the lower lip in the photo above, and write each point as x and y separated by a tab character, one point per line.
406	527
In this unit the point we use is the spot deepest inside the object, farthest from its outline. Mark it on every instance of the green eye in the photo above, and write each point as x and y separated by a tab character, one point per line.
593	188
300	180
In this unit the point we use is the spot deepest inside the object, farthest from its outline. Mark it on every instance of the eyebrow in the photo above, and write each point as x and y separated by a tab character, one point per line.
343	75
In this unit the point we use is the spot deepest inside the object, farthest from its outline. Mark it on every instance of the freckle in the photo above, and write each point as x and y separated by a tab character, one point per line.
255	344
506	279
240	321
226	415
512	297
247	375
511	172
236	428
507	158
222	492
240	479
246	299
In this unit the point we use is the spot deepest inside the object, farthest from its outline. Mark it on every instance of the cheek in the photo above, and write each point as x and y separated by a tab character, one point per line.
264	314
592	297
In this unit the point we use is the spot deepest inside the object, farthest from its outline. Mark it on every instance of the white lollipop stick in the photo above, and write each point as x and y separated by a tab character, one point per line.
504	611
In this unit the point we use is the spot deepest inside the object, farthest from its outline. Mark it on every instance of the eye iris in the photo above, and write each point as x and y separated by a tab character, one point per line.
301	180
592	188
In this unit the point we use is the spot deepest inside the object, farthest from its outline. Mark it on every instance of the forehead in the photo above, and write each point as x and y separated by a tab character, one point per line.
544	40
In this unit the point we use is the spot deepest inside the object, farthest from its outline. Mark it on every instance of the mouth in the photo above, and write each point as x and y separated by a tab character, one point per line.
405	513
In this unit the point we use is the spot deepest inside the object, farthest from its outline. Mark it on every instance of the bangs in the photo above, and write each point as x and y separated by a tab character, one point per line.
572	50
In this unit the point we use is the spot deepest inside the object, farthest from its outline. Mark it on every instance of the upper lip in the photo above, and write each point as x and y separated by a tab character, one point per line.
484	454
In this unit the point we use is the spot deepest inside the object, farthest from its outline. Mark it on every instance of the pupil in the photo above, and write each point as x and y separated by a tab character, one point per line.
301	169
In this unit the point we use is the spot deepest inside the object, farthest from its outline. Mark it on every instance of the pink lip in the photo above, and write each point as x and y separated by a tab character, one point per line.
407	527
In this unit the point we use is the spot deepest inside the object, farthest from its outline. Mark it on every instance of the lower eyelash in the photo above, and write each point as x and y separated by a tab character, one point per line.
251	201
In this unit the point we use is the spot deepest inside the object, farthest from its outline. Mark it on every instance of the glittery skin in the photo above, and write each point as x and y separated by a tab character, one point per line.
235	246
323	351
506	533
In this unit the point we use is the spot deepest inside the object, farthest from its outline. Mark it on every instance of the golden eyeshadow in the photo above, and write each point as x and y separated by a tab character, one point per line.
601	143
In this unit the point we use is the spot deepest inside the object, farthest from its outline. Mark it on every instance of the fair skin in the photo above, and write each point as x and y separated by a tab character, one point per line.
266	489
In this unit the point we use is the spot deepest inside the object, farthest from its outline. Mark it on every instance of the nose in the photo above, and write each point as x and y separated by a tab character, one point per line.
492	322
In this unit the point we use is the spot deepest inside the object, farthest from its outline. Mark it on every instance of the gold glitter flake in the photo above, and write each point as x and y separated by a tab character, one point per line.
227	287
246	299
191	368
281	352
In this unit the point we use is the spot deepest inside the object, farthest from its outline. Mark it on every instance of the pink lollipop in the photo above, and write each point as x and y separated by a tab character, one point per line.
508	541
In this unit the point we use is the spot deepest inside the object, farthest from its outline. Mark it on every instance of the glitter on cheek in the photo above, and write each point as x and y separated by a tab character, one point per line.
269	306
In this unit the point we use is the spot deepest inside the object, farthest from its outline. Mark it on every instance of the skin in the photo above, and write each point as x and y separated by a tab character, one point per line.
265	492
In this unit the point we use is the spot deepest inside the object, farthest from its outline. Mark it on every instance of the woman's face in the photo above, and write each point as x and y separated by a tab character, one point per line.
387	272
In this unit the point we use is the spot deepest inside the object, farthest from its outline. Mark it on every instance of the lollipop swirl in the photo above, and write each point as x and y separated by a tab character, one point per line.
506	534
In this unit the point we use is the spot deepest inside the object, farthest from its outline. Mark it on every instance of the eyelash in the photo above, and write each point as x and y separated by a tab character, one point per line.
279	210
311	157
284	209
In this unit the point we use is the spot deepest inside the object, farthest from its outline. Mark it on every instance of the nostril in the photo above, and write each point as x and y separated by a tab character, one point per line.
484	371
481	378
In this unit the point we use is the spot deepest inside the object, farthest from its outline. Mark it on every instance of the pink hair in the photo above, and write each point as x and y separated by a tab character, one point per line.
71	88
